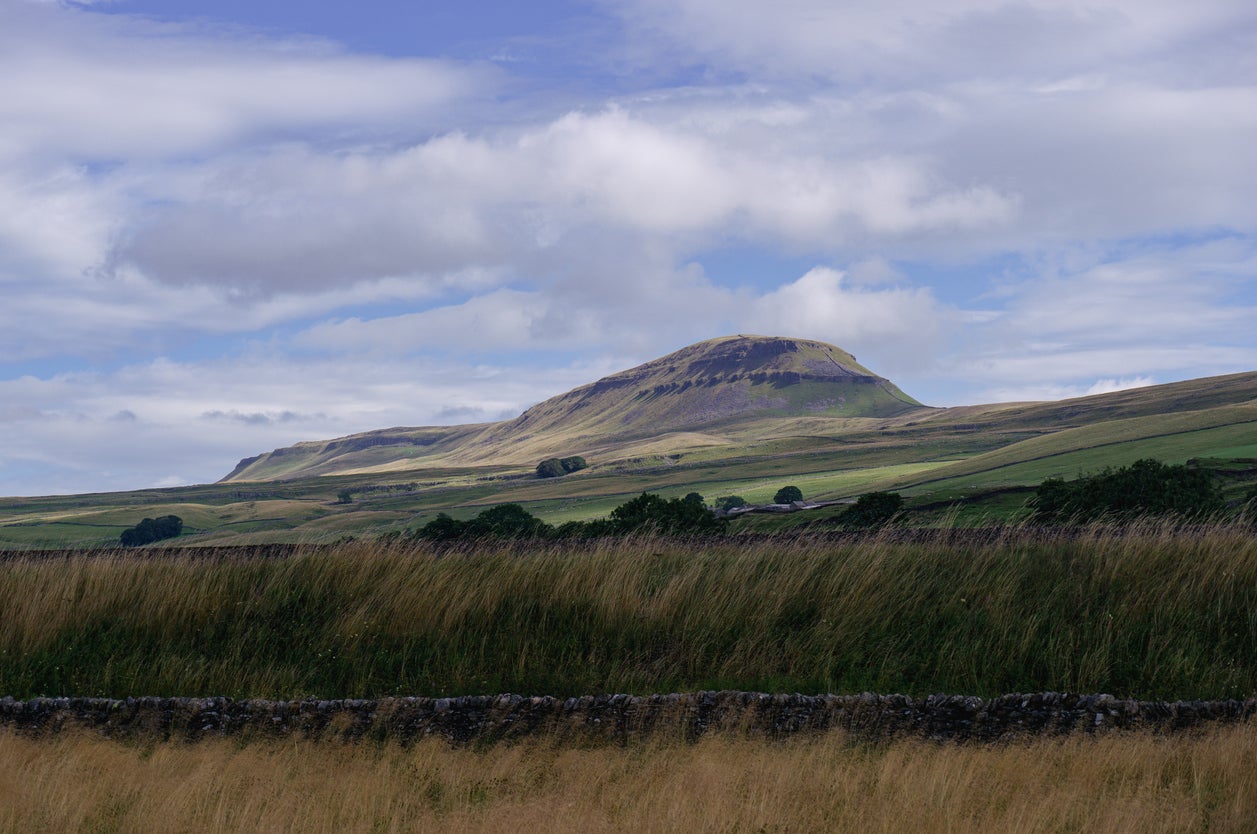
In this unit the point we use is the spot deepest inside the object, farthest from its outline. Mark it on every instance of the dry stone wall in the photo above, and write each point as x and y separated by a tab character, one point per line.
488	718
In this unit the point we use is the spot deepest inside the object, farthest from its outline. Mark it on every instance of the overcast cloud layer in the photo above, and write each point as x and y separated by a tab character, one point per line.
219	237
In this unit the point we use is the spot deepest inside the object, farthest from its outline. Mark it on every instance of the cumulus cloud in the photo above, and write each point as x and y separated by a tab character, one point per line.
894	323
298	219
1091	321
898	324
999	200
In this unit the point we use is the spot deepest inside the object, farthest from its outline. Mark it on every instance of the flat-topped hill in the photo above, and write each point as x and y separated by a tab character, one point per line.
715	385
720	381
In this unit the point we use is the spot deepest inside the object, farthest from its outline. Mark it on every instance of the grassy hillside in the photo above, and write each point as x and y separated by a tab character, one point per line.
694	396
931	455
1151	613
1224	431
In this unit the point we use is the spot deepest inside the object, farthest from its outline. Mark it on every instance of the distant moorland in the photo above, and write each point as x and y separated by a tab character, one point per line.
736	416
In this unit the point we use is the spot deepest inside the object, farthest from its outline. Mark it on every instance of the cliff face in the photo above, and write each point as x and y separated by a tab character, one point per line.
709	385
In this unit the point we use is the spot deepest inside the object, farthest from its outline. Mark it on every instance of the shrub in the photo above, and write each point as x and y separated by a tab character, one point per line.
556	467
787	495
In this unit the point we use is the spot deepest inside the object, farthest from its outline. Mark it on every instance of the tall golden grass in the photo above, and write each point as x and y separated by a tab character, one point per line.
1140	784
1151	611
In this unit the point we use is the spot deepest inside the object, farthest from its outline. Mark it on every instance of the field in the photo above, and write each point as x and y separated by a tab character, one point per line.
1139	784
1149	612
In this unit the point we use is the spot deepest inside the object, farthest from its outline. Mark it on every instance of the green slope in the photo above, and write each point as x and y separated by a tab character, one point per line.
1173	438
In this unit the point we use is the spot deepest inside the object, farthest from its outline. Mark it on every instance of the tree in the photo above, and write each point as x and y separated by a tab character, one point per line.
730	502
788	495
344	497
152	530
695	498
872	509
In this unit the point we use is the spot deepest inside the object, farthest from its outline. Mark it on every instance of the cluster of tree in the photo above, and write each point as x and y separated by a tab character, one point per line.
554	467
647	513
785	495
873	509
1146	487
505	521
152	530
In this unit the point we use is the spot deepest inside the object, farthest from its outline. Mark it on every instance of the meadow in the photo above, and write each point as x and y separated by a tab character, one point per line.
1137	783
1151	611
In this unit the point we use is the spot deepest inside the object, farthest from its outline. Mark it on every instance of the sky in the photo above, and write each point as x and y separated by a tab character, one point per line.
230	226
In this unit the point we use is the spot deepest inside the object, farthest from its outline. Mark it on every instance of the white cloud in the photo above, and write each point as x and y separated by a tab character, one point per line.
659	312
1048	391
296	219
200	419
916	42
106	87
175	189
902	327
1108	386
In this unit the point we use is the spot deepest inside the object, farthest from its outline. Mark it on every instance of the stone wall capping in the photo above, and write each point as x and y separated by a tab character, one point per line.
619	716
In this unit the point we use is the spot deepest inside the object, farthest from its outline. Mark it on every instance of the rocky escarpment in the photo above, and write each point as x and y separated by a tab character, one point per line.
620	717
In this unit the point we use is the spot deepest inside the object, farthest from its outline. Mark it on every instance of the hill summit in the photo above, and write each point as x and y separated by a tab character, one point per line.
712	386
721	381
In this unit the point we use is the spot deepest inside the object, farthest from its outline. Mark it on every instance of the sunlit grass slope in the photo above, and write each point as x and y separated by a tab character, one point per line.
1147	613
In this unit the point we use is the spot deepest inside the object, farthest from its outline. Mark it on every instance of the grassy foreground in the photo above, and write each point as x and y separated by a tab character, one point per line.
1149	612
1116	783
